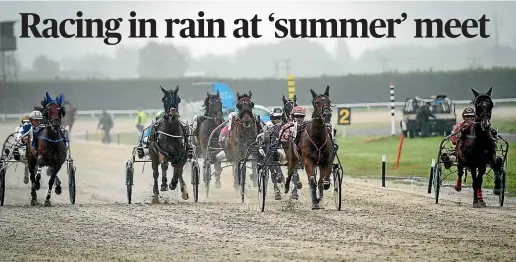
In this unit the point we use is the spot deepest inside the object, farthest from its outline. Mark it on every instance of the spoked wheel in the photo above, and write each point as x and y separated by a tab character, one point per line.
241	176
262	187
501	197
337	185
438	171
207	177
2	183
129	171
195	180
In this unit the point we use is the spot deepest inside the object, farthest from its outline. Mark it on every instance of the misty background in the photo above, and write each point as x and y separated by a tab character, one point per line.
266	57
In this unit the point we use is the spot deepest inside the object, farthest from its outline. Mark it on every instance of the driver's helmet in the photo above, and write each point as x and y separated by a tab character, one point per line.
35	115
160	114
468	112
275	113
25	119
298	112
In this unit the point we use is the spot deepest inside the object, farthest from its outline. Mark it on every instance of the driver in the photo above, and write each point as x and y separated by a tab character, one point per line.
146	132
275	115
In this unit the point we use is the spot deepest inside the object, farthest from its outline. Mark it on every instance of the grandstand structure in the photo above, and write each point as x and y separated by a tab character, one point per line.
8	66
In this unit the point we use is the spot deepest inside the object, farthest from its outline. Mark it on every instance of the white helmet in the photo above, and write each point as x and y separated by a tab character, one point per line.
232	114
276	112
36	115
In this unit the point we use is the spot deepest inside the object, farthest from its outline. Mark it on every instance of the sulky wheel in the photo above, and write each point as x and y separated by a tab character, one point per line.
71	182
207	176
337	184
195	180
262	186
129	171
438	171
501	197
2	182
241	178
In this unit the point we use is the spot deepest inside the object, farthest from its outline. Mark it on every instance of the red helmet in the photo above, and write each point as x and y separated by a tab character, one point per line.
468	111
298	111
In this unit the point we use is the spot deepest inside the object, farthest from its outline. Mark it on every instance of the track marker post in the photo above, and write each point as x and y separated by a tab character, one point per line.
393	118
384	159
400	147
431	177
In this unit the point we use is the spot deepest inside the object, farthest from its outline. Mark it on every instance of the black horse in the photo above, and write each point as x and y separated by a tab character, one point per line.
476	147
288	105
205	125
168	143
51	152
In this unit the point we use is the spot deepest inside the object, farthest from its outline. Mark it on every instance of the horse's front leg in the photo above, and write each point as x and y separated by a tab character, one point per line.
474	184
52	173
32	176
218	170
324	182
184	189
175	177
164	169
312	181
497	169
479	181
155	175
460	173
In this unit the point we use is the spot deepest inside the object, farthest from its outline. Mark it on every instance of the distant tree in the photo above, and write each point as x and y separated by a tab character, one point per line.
45	67
161	61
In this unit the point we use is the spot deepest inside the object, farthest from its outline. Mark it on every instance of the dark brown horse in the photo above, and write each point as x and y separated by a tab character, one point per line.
288	105
313	147
476	147
169	144
244	130
51	148
205	125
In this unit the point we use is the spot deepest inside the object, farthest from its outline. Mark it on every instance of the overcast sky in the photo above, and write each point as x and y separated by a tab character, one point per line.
62	48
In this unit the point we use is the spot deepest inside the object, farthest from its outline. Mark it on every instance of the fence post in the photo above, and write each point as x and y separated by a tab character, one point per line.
384	159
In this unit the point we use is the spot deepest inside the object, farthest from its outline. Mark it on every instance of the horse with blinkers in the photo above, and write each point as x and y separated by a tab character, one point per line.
168	143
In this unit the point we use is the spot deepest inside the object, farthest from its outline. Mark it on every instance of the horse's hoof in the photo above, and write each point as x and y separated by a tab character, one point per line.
164	187
185	196
287	188
155	199
277	195
26	179
497	191
458	188
479	204
172	186
217	183
294	196
299	185
315	206
34	202
326	185
58	190
47	203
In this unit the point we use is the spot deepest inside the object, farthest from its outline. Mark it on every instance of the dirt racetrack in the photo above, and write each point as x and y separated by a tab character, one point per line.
400	222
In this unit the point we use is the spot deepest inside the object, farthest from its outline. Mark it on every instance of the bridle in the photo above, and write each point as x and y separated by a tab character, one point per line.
486	105
291	103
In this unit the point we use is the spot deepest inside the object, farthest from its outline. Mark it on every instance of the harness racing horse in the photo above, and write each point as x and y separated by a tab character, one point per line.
205	125
313	145
169	143
476	149
288	105
244	129
51	149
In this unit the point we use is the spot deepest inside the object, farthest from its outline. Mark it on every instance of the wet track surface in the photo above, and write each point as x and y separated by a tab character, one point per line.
400	222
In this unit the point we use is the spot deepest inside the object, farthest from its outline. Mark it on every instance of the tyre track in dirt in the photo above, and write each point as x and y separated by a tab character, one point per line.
400	222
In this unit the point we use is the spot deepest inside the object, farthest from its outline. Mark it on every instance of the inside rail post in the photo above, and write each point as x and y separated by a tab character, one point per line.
393	119
384	159
431	178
